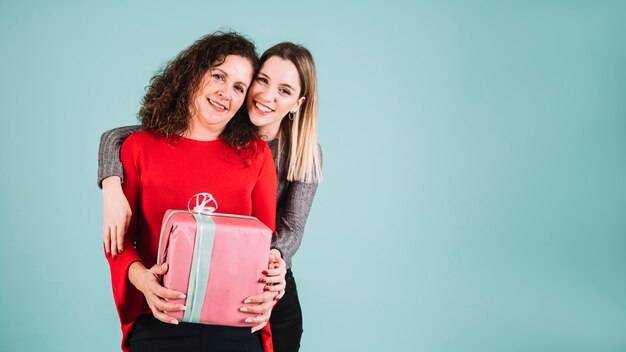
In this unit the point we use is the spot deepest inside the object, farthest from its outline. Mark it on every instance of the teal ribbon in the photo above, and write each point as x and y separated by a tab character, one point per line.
200	267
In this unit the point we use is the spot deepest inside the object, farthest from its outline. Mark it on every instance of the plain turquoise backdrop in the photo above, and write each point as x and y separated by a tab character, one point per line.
474	194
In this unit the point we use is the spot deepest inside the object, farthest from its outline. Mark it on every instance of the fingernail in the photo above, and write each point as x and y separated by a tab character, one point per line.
175	322
264	272
248	320
246	301
182	296
266	288
183	308
243	309
262	279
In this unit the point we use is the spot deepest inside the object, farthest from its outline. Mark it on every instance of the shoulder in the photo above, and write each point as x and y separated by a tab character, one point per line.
143	137
254	154
140	142
263	156
264	152
263	146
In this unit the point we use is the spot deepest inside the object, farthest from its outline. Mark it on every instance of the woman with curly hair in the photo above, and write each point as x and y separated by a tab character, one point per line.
193	139
282	103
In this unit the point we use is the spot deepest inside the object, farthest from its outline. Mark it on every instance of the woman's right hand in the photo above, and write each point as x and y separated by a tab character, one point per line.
117	215
148	281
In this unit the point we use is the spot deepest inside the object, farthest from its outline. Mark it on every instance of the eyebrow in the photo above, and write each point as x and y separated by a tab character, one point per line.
226	74
282	84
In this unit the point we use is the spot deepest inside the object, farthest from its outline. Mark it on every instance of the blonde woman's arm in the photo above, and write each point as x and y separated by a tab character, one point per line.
117	212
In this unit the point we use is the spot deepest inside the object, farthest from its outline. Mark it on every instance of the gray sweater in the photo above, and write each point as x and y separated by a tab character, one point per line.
294	198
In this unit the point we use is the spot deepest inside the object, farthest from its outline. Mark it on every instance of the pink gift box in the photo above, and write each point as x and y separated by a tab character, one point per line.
216	260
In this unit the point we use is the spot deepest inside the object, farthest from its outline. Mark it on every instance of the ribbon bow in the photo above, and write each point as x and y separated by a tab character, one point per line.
202	203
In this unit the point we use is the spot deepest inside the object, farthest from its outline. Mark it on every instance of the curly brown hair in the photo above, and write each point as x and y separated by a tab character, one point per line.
167	103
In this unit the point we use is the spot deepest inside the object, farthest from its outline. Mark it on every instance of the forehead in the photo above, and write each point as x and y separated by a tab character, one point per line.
238	68
281	71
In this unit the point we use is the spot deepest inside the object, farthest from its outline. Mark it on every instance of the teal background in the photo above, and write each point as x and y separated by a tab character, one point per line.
474	194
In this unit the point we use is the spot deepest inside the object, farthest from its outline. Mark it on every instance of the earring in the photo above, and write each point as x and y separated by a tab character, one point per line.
291	115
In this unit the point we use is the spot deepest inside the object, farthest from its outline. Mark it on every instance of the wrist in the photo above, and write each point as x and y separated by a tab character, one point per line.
135	271
277	253
111	182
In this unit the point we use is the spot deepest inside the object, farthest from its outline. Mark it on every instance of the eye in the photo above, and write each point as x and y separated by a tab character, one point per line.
262	80
285	91
239	89
218	76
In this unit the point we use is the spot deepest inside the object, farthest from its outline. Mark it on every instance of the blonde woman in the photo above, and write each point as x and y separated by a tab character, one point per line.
282	103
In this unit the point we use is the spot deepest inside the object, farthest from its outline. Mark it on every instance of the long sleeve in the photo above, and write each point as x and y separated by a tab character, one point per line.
264	192
125	295
109	162
264	209
290	227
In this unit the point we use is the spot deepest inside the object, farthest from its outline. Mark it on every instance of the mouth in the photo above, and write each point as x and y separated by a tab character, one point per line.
217	106
262	107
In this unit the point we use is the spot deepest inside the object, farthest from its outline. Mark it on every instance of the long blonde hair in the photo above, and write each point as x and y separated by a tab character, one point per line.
299	132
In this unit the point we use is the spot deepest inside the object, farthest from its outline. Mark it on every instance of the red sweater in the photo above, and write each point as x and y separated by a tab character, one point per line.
161	175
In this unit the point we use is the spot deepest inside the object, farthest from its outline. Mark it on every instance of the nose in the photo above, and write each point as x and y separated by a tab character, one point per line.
224	95
267	94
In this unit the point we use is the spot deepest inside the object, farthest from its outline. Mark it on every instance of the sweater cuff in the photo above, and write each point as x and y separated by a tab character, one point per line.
110	168
282	254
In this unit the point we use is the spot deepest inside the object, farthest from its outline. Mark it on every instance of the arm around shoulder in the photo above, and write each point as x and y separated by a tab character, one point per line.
109	162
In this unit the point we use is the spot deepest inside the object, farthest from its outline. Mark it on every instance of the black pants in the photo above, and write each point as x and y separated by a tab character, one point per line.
151	335
286	319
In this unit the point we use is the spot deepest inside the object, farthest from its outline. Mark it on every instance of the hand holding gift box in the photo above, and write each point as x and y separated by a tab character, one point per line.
215	259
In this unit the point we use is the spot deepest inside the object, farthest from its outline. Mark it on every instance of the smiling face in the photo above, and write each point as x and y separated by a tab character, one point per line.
274	93
220	94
